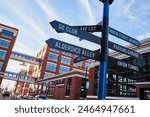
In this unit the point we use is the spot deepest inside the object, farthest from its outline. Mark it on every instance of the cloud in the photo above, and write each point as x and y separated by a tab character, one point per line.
127	11
91	17
25	19
48	9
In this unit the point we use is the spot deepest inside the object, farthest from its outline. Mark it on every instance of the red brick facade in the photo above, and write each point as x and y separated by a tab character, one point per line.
8	50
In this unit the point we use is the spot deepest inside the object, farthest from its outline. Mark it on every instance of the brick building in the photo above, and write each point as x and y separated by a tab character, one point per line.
121	84
8	37
54	62
125	84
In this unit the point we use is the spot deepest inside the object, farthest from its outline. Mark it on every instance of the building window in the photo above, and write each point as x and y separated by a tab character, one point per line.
68	87
51	87
51	67
60	81
53	57
1	64
48	75
54	50
2	54
79	64
4	44
87	65
6	33
66	53
66	60
63	69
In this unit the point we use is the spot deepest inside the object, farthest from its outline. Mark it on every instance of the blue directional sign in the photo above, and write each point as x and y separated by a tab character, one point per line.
60	45
87	54
89	28
92	38
123	36
114	32
113	63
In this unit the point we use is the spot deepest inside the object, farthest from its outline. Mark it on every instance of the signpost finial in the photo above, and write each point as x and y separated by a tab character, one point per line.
110	1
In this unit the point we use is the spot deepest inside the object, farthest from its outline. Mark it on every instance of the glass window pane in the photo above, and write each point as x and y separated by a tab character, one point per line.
63	69
1	64
7	33
148	60
54	50
2	54
87	66
66	60
79	64
48	75
52	57
66	53
51	67
4	43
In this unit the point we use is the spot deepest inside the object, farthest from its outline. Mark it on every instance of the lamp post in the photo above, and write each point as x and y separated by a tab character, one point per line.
104	51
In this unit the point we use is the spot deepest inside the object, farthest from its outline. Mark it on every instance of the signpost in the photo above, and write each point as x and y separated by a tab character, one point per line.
112	31
89	28
113	63
82	32
123	36
92	38
104	53
54	43
88	54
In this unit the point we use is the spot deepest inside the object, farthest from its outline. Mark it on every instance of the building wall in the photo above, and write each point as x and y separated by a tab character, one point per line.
7	34
59	91
122	83
46	59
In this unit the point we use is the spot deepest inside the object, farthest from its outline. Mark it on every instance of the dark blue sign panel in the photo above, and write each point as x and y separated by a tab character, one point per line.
114	32
113	63
92	38
89	28
54	43
87	54
123	36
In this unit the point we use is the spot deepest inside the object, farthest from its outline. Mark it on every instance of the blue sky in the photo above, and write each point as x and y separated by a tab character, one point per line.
32	18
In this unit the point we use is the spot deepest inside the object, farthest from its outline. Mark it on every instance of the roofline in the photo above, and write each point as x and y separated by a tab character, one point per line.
69	74
9	27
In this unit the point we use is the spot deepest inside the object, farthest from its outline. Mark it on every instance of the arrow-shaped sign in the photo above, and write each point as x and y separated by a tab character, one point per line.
60	45
87	54
112	62
92	38
112	31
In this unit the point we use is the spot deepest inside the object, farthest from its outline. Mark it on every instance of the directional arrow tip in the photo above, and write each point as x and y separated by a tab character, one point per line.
52	23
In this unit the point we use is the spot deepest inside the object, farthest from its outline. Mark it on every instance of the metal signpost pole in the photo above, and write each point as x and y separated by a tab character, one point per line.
104	52
85	79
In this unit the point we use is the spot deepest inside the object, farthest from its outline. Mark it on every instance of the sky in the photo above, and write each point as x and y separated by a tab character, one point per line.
32	18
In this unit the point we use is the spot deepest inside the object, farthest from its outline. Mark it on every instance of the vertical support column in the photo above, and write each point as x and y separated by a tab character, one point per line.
41	90
104	53
37	89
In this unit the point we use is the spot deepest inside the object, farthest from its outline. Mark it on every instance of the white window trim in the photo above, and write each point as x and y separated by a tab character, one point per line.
51	63
53	53
3	50
66	58
4	40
